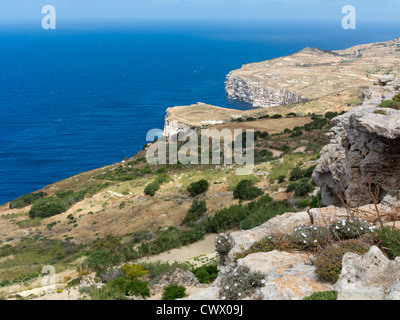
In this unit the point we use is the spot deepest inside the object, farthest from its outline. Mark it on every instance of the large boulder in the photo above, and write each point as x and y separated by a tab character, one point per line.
364	149
367	277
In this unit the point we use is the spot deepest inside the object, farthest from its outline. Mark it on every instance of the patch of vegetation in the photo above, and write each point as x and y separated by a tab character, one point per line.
206	274
389	241
246	191
152	188
329	262
47	207
300	188
242	283
173	292
197	188
26	200
195	212
323	295
392	104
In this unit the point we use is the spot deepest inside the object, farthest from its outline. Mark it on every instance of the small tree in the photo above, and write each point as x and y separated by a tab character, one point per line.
134	271
198	187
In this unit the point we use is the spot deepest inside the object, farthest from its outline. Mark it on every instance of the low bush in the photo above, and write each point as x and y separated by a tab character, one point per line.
390	104
133	271
246	191
329	262
389	240
137	288
195	212
99	260
198	187
26	200
240	284
47	207
300	188
307	237
324	295
206	274
345	229
173	292
152	188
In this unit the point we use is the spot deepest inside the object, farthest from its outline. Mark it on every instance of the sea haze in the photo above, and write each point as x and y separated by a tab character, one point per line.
82	97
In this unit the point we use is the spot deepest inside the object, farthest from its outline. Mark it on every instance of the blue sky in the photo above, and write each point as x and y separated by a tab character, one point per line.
368	11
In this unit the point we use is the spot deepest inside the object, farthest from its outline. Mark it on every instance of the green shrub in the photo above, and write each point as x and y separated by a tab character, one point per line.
329	262
107	292
246	191
281	179
389	104
390	241
300	188
163	178
276	116
206	274
307	237
173	292
198	187
242	283
296	174
345	229
193	235
152	188
110	243
99	260
196	211
323	295
47	207
26	200
137	288
330	115
133	271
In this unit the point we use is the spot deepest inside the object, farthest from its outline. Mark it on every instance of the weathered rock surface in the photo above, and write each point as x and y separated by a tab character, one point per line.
289	276
364	148
393	293
286	223
371	276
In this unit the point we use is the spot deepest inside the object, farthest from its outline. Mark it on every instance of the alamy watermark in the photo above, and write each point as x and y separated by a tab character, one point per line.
349	20
211	146
49	20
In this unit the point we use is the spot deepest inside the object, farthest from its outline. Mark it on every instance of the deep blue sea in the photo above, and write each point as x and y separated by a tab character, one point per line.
81	97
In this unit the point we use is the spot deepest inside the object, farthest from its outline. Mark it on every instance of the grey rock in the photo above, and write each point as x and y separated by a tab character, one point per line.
364	146
393	292
366	277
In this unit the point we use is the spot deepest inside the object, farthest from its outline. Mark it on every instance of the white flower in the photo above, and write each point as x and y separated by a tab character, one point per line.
227	287
315	241
262	281
239	294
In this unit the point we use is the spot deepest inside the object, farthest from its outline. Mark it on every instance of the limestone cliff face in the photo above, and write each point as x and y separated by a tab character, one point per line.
172	125
249	90
364	147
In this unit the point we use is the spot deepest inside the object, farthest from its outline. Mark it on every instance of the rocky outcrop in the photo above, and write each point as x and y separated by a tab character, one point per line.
368	277
249	90
173	126
289	276
364	150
